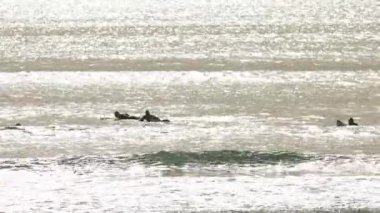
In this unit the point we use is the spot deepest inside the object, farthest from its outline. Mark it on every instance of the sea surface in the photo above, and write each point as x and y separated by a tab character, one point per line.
252	88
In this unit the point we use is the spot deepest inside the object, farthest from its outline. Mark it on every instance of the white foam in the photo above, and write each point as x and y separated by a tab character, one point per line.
110	190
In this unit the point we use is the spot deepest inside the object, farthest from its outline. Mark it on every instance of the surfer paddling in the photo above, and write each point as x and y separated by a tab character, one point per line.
151	118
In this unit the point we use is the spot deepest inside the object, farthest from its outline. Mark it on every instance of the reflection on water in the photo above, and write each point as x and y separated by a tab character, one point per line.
195	35
253	90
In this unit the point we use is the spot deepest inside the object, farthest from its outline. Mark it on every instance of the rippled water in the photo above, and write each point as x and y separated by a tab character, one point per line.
237	140
189	35
253	90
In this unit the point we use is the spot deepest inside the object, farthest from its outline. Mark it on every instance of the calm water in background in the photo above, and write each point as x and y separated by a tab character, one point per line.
253	90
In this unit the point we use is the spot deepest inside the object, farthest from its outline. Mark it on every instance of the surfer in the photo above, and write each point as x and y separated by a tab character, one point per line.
16	126
340	123
125	116
351	122
151	118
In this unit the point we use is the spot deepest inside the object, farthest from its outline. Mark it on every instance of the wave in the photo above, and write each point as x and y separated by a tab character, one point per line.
208	163
171	158
221	157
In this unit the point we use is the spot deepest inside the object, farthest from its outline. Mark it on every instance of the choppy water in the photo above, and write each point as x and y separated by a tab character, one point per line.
252	88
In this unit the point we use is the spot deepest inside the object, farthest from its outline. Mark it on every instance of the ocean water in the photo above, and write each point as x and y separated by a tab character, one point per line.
253	90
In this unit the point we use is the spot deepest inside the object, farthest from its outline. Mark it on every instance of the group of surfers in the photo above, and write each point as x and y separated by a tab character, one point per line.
351	122
147	117
152	118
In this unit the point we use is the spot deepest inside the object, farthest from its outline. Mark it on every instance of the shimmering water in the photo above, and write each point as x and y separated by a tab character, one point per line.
189	35
253	90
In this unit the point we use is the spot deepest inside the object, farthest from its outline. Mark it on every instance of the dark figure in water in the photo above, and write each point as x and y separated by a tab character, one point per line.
151	118
351	122
17	126
340	123
125	116
14	126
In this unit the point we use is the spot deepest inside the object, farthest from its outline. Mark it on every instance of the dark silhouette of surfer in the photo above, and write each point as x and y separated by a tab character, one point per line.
340	123
151	118
351	122
125	116
16	126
